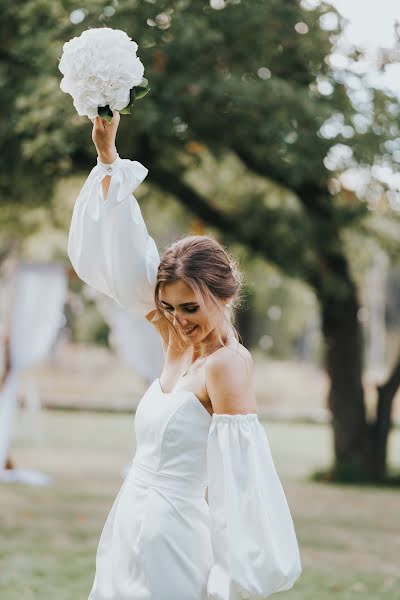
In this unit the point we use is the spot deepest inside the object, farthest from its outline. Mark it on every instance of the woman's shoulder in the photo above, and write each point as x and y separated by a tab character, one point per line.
229	358
229	379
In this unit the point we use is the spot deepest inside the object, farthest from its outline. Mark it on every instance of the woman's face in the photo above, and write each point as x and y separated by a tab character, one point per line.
184	312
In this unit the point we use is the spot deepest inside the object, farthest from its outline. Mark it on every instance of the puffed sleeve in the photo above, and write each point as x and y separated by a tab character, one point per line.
254	544
109	246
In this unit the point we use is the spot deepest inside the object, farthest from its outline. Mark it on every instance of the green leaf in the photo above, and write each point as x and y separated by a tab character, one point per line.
132	96
141	92
135	94
105	113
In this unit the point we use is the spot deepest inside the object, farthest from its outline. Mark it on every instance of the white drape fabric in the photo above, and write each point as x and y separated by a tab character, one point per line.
253	539
134	339
36	316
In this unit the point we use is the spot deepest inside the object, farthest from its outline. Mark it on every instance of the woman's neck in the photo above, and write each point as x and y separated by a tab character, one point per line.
211	343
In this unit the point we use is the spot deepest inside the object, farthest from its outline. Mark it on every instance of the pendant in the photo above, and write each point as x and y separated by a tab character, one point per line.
185	373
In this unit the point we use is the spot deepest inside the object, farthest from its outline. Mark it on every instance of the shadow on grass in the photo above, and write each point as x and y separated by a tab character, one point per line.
352	474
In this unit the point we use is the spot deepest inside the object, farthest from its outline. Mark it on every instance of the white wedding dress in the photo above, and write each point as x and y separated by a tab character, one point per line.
162	540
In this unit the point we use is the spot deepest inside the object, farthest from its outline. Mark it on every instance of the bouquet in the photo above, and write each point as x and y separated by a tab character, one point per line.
102	72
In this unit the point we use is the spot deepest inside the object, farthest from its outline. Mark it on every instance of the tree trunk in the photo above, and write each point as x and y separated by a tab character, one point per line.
343	358
360	447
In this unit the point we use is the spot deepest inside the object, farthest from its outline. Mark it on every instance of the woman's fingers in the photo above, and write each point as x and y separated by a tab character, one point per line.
98	123
104	133
114	121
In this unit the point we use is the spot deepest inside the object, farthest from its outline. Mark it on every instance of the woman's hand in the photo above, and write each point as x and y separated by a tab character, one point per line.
103	136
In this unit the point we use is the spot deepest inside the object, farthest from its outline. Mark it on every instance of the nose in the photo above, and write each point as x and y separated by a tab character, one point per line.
181	319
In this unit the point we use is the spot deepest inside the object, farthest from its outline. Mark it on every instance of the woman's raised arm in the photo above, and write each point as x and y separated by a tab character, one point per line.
109	246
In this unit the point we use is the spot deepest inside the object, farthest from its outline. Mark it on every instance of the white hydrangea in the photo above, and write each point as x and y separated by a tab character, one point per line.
100	67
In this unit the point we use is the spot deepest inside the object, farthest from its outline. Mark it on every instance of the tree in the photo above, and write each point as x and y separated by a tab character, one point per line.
260	80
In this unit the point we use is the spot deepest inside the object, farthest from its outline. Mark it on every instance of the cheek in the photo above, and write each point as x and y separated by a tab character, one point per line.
168	316
205	323
211	321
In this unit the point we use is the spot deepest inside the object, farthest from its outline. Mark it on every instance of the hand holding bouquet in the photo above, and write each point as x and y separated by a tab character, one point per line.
103	136
102	73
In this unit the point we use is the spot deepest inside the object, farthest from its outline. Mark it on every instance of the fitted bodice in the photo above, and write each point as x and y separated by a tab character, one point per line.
171	433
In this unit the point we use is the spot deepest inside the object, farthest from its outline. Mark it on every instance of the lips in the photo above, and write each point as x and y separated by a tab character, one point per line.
189	330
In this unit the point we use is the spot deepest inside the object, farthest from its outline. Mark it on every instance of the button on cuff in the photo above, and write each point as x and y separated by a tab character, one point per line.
111	168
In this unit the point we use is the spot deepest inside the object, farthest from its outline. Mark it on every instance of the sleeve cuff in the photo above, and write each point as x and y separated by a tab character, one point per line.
111	168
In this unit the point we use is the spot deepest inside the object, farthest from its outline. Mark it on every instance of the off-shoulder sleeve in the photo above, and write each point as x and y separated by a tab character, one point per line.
254	544
109	246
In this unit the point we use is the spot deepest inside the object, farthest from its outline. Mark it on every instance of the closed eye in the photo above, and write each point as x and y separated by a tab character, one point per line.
188	309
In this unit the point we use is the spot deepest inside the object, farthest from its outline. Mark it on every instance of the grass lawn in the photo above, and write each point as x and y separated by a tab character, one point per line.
349	537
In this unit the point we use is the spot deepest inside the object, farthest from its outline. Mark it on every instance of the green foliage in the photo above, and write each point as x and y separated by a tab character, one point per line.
235	113
105	113
136	93
241	80
100	334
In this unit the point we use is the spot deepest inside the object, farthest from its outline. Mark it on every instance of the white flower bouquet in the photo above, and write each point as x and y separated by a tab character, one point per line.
102	72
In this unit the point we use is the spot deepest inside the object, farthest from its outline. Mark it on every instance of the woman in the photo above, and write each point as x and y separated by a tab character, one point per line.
196	426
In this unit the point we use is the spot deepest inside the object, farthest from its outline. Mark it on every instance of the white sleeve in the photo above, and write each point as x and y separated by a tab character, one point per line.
254	544
109	246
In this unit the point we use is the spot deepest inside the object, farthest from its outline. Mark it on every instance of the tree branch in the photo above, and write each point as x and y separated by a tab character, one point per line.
276	235
381	426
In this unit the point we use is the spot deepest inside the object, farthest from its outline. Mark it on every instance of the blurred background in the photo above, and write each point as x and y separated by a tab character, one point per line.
274	126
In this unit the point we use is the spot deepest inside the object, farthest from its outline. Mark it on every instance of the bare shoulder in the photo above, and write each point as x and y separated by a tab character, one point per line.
229	380
226	360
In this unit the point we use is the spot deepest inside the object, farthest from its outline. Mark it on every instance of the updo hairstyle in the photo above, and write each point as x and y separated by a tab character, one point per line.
206	267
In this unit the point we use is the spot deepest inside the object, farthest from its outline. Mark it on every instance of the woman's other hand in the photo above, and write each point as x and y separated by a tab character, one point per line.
103	136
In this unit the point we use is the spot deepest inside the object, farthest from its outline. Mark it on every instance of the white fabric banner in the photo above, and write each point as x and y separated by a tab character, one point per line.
35	318
134	339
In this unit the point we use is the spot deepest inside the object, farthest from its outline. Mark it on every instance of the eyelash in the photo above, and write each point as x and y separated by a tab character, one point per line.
188	310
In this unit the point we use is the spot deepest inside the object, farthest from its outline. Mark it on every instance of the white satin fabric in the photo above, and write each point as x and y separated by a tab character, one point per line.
108	245
253	538
162	540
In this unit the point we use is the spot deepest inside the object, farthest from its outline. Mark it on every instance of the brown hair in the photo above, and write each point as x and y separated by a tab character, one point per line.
205	266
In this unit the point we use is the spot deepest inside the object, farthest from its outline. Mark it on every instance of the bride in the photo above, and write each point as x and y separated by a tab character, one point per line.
202	514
